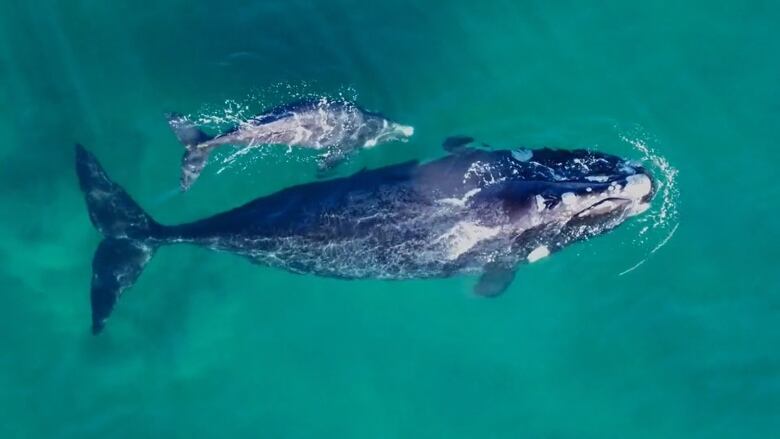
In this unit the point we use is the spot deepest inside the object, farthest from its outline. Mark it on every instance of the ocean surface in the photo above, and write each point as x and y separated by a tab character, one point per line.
668	327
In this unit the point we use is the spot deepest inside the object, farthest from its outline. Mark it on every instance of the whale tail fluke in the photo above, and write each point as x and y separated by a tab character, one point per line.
192	163
186	131
195	155
130	236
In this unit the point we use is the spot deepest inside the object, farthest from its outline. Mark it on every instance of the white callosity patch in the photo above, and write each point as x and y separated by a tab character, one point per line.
569	199
637	186
538	253
464	236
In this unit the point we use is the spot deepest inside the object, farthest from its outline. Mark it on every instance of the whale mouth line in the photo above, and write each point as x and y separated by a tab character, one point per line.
608	203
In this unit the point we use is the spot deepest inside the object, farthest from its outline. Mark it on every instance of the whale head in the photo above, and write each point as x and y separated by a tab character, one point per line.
378	129
570	195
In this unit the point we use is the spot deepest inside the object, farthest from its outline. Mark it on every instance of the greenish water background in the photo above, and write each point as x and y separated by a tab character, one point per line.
208	345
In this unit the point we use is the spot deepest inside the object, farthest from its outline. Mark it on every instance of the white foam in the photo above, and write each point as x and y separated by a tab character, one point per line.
460	202
665	217
655	249
484	172
667	182
538	253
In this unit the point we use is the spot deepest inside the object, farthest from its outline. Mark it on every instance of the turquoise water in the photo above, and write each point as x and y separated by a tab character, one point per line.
208	345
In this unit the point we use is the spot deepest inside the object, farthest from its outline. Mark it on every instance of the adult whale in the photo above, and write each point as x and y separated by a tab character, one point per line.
337	128
474	211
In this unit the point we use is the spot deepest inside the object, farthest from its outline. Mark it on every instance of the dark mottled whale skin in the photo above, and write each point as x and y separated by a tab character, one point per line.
474	211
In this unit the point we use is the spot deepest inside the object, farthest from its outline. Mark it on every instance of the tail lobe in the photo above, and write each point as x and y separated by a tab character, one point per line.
130	236
116	266
186	132
110	208
195	156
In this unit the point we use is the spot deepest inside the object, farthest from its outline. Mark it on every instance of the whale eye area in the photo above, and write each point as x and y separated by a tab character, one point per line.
550	200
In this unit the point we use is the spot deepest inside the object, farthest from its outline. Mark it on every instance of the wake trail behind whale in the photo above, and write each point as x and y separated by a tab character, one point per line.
655	249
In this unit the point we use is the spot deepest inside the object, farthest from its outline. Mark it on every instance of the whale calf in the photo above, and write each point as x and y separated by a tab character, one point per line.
336	127
473	212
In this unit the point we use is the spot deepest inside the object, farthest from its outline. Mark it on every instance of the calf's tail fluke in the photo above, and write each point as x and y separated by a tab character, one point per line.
130	236
195	155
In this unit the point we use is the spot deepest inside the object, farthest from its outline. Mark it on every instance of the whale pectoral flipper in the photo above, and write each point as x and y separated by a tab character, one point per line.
495	279
192	163
329	162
